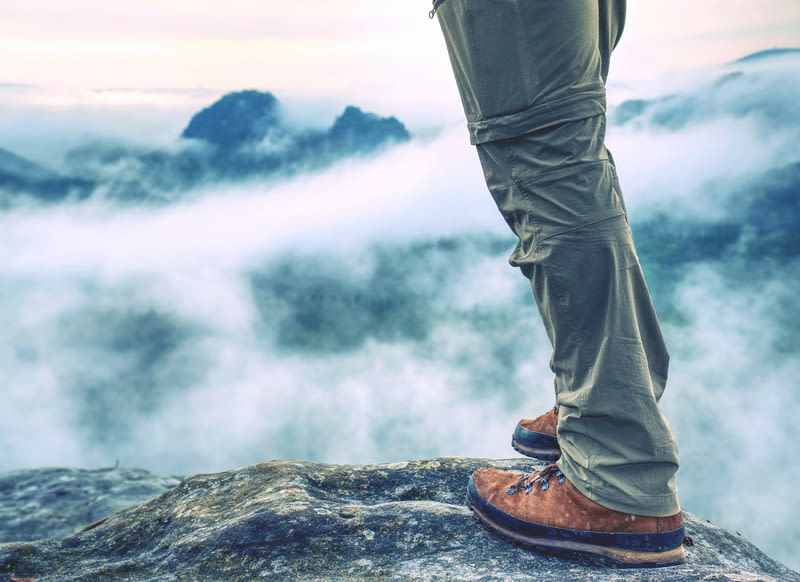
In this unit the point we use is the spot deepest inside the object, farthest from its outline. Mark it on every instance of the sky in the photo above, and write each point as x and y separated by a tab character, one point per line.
388	49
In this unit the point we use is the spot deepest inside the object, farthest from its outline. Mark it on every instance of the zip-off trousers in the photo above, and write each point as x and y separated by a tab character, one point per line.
531	75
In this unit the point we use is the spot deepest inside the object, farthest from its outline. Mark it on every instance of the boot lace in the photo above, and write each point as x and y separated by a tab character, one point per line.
526	482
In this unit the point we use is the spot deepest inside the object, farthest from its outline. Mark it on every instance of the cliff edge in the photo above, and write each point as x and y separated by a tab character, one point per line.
288	520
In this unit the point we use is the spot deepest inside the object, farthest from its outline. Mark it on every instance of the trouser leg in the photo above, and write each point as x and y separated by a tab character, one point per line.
531	78
558	191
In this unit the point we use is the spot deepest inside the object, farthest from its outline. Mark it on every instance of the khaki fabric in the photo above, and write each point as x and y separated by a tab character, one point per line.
531	74
523	65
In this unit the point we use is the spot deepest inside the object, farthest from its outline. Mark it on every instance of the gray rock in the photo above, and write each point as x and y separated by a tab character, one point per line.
307	521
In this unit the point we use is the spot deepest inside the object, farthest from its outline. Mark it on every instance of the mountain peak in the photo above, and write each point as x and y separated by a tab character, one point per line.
236	119
355	129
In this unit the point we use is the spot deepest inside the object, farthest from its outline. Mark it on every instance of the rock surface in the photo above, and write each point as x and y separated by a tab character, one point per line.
307	521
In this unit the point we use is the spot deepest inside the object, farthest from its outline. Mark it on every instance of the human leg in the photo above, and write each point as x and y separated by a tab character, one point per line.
609	357
554	182
613	491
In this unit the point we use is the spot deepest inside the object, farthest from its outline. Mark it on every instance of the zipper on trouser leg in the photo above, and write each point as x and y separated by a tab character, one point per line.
436	4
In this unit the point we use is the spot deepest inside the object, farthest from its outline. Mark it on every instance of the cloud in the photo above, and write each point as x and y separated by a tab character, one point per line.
687	152
732	401
212	302
354	202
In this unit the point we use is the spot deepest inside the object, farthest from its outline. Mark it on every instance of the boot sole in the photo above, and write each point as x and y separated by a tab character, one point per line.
558	540
541	454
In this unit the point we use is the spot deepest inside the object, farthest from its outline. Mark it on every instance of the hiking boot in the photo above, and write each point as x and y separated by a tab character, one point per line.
537	437
545	511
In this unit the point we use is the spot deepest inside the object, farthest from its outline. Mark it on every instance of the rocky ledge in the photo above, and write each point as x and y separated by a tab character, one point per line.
307	521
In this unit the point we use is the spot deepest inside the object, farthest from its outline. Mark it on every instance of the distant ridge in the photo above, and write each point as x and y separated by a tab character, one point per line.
768	53
13	165
19	175
248	135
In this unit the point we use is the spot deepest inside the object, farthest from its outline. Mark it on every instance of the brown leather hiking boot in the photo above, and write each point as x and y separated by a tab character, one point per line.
537	437
544	510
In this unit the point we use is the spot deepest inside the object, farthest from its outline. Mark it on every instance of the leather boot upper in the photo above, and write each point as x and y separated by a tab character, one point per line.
549	498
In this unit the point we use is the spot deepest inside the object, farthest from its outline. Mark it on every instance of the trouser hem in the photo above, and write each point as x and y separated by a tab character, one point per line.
647	505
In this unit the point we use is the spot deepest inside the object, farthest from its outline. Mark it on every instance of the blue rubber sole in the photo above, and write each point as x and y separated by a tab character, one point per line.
537	445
